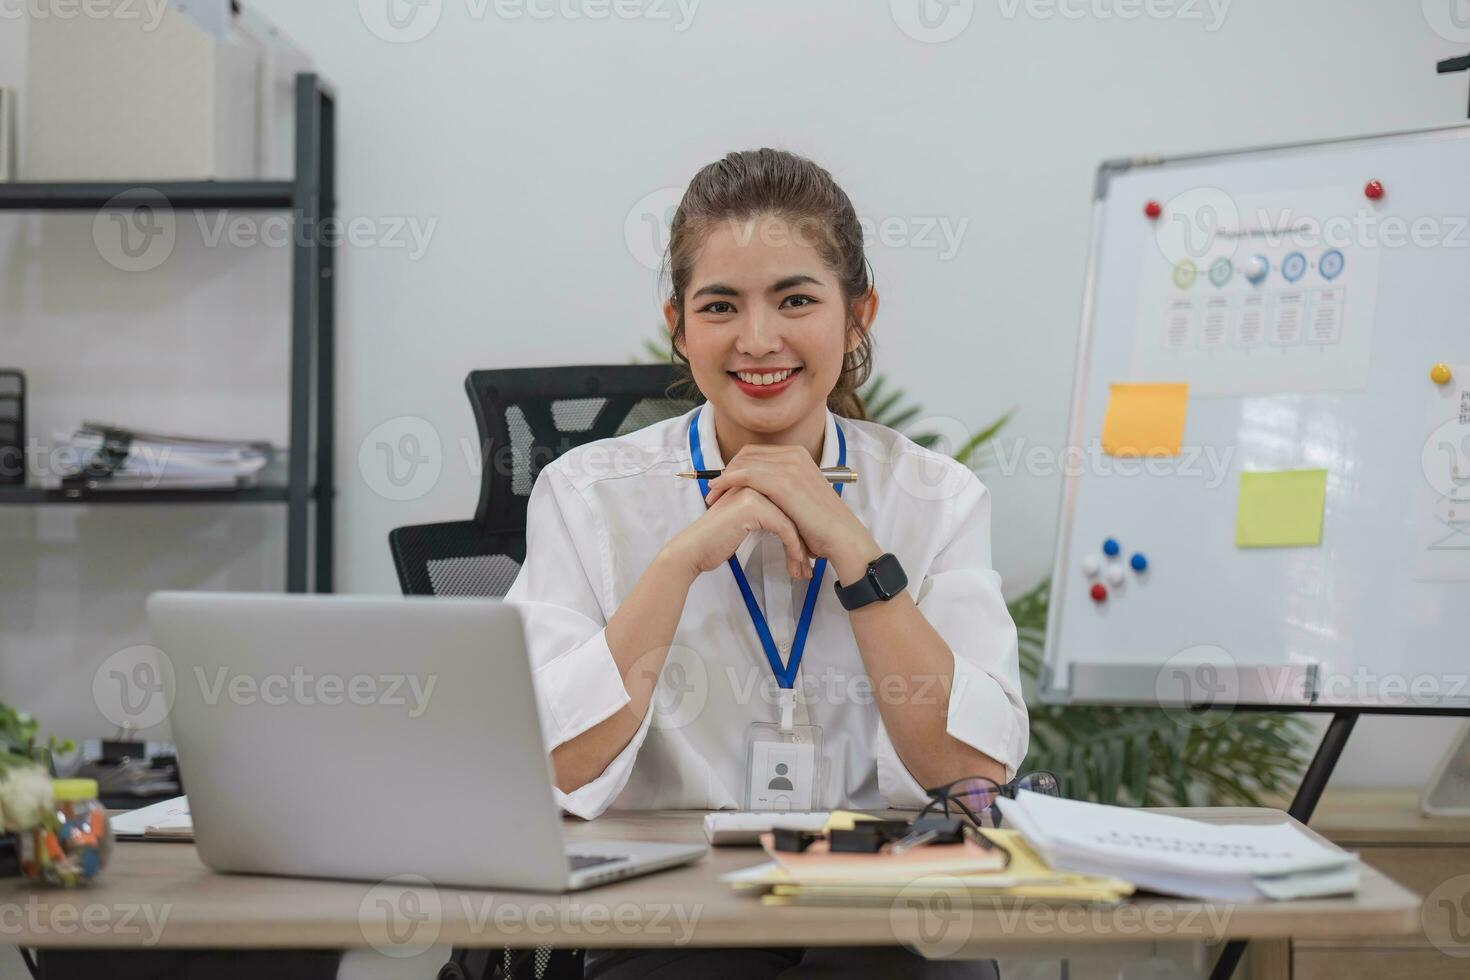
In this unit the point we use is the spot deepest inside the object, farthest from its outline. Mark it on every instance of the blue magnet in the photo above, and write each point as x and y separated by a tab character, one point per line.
1330	265
1138	562
1293	267
1110	548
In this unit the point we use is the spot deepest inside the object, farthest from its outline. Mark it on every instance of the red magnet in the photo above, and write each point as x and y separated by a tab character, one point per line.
1099	592
1153	209
1374	190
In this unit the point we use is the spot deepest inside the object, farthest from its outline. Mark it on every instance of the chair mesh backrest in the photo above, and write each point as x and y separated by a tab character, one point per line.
571	416
526	417
478	575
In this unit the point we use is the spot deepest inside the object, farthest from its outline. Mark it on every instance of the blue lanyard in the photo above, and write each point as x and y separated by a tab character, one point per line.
785	676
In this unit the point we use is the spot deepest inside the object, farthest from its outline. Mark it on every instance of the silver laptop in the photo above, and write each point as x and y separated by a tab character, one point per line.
363	737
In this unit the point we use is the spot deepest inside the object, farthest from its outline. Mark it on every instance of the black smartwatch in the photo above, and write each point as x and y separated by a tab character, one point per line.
884	580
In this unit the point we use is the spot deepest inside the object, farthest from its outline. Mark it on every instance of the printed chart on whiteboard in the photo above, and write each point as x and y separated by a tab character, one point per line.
1270	293
1442	518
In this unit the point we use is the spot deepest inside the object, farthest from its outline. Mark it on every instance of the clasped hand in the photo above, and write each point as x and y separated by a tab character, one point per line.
781	490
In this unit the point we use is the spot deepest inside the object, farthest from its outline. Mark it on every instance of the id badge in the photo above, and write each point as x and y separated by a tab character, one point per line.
781	766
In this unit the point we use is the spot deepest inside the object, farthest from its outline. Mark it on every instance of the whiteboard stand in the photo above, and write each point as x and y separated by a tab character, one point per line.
1285	629
1445	793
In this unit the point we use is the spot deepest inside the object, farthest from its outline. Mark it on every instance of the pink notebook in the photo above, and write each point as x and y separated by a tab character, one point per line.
817	862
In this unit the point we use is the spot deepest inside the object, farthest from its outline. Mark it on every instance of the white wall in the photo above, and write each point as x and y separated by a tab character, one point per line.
527	146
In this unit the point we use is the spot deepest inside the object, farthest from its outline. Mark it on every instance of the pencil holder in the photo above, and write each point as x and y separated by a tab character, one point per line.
74	842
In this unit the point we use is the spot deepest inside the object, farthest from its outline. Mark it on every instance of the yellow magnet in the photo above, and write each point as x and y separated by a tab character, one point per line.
1440	374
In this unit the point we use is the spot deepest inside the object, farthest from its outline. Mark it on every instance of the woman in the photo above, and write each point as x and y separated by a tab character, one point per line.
670	677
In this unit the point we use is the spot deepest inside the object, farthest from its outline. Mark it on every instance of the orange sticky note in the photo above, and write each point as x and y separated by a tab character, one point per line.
1145	420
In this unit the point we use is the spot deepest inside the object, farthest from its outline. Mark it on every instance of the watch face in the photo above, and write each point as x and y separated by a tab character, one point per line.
888	576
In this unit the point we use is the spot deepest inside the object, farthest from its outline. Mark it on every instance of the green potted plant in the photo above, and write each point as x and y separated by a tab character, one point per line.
25	783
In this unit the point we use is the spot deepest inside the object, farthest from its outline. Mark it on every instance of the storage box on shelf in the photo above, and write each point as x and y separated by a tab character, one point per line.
166	95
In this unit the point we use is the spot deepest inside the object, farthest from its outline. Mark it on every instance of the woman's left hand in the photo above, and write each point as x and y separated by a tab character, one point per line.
793	482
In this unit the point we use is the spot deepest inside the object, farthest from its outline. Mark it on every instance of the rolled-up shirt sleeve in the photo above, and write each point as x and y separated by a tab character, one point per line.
961	598
559	594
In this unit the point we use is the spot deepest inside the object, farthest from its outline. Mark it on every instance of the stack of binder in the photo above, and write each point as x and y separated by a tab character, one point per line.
108	457
12	428
792	881
1176	856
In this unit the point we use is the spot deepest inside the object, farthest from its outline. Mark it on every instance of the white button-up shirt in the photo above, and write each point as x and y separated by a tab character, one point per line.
600	513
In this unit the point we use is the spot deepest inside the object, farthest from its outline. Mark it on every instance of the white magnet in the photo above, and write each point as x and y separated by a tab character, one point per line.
1090	565
1256	268
1115	574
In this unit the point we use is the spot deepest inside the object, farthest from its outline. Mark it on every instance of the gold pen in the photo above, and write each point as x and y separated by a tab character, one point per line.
834	474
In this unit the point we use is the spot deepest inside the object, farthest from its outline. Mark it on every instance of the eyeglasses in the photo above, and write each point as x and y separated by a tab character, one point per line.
974	796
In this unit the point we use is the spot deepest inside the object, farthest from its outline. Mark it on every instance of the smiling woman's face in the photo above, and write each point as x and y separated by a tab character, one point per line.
765	325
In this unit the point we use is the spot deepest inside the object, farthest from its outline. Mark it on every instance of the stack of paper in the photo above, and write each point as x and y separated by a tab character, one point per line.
169	820
1225	862
105	457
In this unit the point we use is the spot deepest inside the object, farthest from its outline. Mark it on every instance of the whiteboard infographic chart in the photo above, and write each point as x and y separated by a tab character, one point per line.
1253	309
1268	492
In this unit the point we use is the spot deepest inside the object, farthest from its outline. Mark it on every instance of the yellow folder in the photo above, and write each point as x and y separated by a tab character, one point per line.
1027	876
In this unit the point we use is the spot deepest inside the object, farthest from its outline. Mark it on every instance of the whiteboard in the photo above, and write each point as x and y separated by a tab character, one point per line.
1296	359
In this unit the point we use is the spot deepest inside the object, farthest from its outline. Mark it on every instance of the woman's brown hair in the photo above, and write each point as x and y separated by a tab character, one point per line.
766	181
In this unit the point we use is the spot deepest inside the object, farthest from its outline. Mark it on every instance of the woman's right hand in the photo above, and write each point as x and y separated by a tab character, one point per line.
707	543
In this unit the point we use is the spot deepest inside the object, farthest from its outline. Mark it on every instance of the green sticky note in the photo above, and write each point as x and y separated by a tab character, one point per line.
1281	509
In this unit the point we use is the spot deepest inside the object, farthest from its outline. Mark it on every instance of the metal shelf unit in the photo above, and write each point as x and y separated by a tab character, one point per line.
306	478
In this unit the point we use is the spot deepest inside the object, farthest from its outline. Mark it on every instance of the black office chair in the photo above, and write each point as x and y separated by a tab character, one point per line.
527	417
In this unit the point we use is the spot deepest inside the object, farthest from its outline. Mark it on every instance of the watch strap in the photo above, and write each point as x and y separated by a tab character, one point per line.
870	588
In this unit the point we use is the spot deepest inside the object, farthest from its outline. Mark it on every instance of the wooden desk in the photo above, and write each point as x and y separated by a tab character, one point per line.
1430	855
160	896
